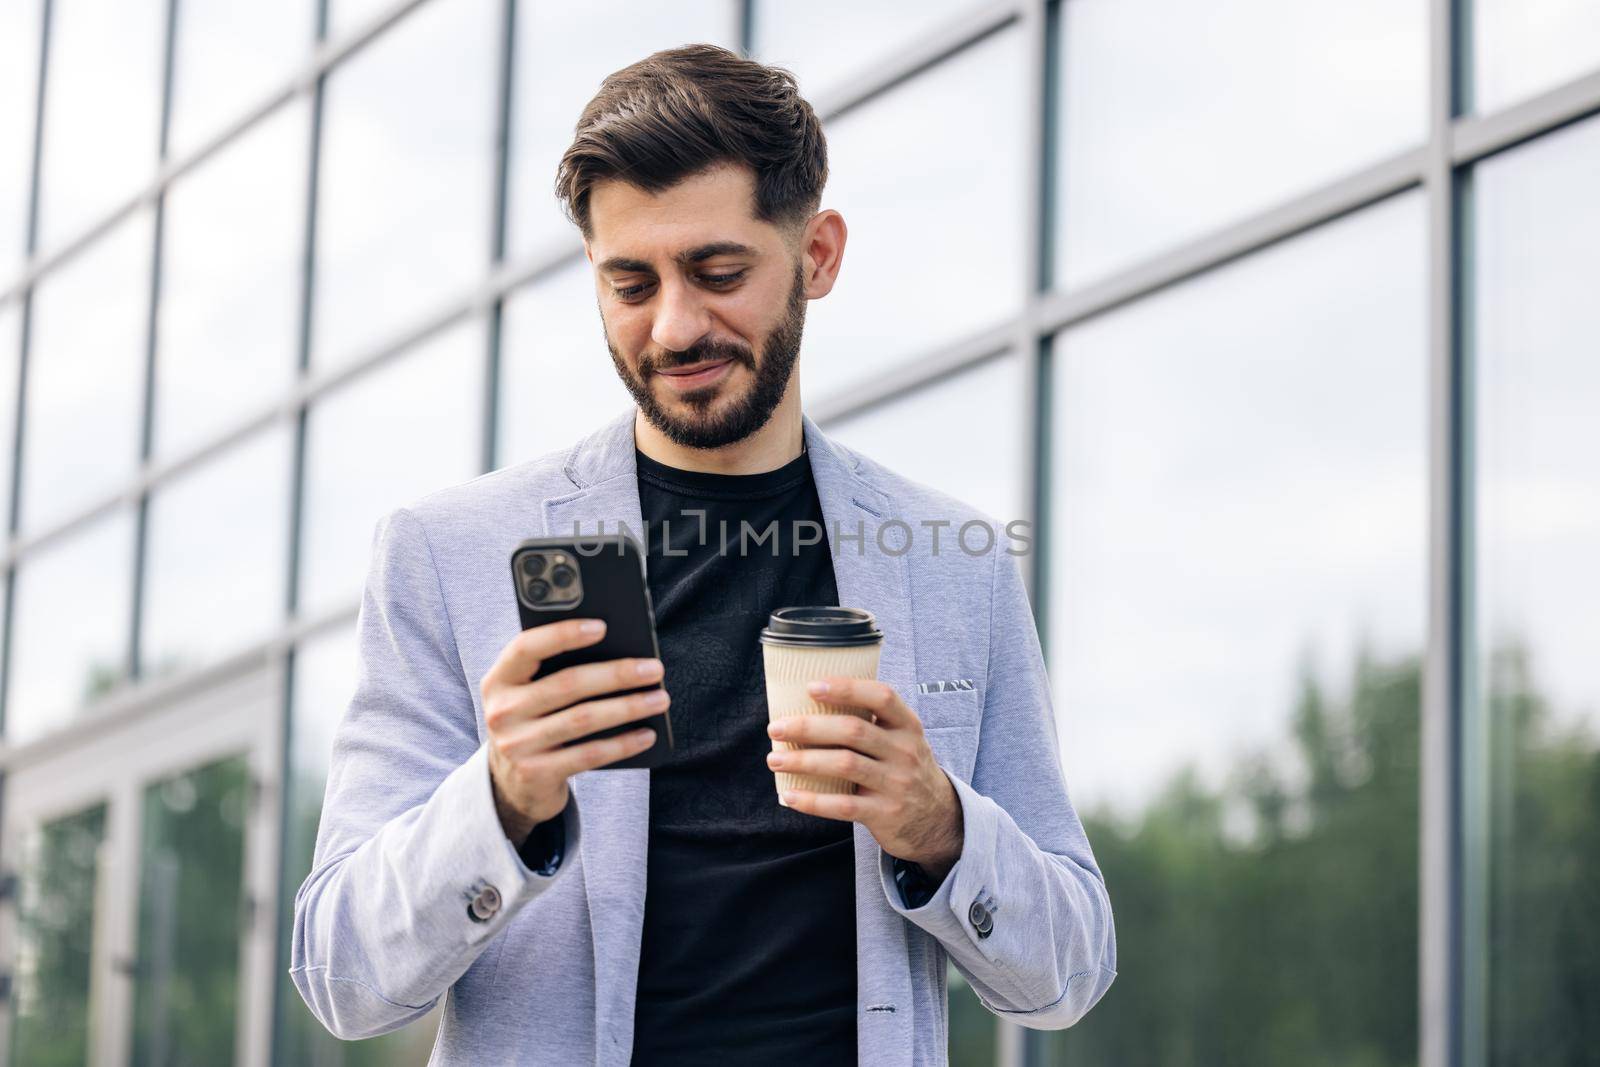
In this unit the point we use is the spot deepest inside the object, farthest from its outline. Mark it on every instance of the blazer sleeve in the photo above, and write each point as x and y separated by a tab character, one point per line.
413	875
1024	912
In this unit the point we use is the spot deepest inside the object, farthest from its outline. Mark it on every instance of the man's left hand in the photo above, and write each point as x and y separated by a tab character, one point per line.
903	797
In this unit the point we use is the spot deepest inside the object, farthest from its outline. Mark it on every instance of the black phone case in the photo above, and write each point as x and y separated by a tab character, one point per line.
611	567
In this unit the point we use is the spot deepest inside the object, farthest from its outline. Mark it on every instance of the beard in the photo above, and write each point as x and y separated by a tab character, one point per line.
699	428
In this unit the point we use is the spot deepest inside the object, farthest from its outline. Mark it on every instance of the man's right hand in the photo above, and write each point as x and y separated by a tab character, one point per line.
528	721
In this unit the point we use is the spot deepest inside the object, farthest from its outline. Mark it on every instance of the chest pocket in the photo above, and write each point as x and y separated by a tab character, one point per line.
950	720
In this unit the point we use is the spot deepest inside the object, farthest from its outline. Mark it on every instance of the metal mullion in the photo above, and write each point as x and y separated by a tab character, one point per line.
744	19
1287	219
141	529
1475	137
24	336
1015	1045
1440	925
954	36
504	112
286	644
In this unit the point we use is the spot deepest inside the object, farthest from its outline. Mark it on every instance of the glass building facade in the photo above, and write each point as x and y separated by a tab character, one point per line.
1277	319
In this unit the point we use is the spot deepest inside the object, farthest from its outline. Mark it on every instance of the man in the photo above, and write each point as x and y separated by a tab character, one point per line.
682	914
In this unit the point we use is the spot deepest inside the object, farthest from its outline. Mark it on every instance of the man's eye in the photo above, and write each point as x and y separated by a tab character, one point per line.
631	291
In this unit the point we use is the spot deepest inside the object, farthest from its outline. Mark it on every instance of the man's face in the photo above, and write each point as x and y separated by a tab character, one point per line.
689	278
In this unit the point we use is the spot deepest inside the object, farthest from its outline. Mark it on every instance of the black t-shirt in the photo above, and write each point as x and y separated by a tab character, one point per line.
749	950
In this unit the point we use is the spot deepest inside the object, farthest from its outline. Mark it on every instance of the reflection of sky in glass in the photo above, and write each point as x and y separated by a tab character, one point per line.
324	682
70	630
1239	478
1537	258
410	427
557	382
827	41
230	54
218	552
564	51
1522	47
928	179
403	214
102	110
86	374
231	282
19	83
1177	117
952	436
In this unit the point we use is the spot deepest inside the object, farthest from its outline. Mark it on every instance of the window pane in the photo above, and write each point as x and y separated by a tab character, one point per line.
958	129
1177	118
557	380
403	210
825	42
563	53
413	425
59	878
1236	614
102	110
324	681
86	367
230	291
69	638
218	555
191	911
1523	47
230	55
1538	574
19	85
973	457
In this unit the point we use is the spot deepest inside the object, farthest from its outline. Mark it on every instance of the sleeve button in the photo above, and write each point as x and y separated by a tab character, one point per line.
484	905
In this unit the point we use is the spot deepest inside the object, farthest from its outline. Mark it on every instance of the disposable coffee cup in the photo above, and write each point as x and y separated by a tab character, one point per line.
800	645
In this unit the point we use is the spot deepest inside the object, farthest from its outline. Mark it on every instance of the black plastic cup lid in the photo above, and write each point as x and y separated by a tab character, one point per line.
821	627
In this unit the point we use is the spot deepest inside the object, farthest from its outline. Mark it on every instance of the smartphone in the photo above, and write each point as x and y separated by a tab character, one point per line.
594	577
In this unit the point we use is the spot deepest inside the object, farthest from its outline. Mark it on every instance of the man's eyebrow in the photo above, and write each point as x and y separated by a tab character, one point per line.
685	258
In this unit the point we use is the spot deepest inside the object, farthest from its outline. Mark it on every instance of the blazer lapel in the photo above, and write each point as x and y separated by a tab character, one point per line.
879	581
616	803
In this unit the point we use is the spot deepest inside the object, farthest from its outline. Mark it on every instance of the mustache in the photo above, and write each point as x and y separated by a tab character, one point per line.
700	354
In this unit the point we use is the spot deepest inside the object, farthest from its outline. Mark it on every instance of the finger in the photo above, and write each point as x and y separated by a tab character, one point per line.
876	696
520	658
591	754
843	806
556	729
580	682
835	730
833	763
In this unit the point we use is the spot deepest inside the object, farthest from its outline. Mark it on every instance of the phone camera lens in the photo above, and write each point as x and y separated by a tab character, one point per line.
538	589
561	575
532	564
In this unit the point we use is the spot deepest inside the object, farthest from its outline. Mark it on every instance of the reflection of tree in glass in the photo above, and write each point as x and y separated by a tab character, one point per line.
1292	940
191	916
1544	942
50	1021
1295	941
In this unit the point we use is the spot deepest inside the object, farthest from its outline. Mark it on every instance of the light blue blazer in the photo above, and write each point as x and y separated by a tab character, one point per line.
415	893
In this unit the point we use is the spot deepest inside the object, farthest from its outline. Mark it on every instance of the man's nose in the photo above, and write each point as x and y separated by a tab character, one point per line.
681	319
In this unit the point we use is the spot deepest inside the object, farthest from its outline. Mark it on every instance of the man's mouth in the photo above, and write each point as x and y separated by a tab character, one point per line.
696	374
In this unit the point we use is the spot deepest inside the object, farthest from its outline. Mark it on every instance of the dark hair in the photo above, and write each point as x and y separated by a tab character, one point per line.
682	110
